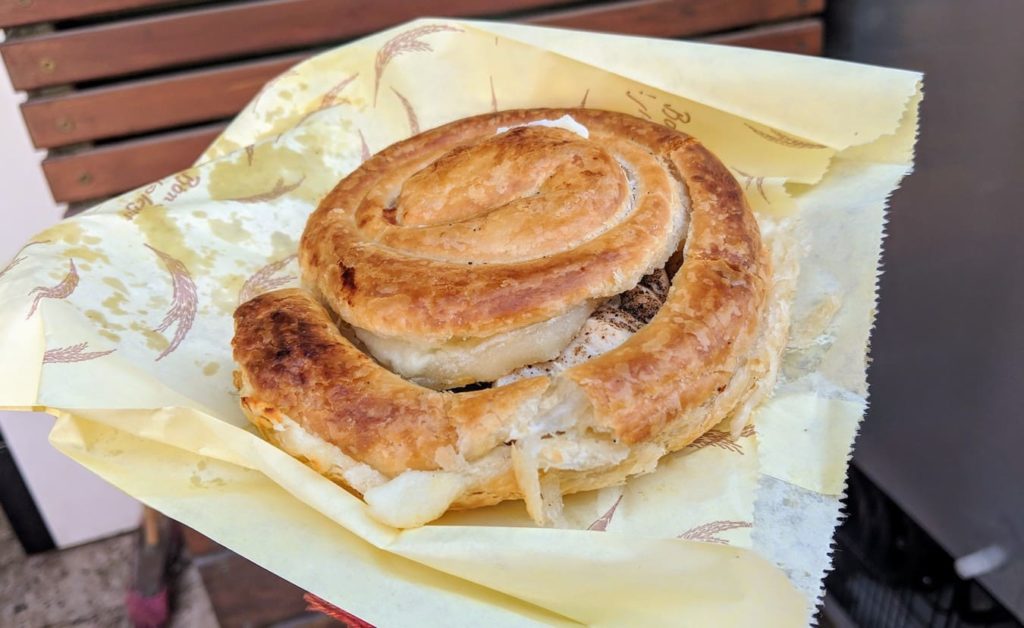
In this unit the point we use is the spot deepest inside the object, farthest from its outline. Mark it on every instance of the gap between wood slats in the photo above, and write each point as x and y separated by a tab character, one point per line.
209	34
676	18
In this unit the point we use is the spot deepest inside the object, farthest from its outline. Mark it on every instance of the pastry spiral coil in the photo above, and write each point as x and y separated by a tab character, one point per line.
470	252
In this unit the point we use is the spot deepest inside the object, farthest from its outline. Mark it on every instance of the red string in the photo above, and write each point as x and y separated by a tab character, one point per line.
319	605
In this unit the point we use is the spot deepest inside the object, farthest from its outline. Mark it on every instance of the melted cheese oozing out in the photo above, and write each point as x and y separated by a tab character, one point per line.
566	122
463	361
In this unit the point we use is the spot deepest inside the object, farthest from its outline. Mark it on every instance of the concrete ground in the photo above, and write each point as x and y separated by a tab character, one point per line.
84	586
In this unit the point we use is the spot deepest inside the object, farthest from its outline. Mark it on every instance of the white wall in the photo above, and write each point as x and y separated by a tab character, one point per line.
76	505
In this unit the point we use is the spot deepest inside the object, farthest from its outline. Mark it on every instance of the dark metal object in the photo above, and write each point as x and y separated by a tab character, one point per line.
944	432
20	508
890	574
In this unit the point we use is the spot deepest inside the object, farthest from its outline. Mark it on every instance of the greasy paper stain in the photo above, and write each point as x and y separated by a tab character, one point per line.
101	320
67	232
283	245
233	231
225	295
115	283
157	302
114	303
197	480
239	179
104	327
72	233
154	339
86	253
164	234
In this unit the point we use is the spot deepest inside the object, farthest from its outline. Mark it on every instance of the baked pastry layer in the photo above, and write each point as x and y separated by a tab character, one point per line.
413	451
447	249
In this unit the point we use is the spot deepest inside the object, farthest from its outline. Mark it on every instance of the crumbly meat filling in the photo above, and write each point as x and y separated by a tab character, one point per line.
609	326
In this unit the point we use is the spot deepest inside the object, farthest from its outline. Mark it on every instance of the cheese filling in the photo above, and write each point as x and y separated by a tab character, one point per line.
566	122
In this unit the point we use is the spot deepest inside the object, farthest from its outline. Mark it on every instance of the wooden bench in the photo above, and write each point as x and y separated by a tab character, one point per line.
123	92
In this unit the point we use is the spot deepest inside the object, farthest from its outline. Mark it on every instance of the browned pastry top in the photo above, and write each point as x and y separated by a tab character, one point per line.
465	232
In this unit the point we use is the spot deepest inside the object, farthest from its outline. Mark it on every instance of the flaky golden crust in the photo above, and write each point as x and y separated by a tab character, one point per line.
293	356
748	387
695	343
401	247
390	250
294	359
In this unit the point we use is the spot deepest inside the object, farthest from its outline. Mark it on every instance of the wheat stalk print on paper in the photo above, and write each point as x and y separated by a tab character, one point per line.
330	98
184	302
364	150
722	439
19	258
414	123
409	41
778	137
757	181
10	266
73	353
62	290
708	532
264	279
279	190
601	523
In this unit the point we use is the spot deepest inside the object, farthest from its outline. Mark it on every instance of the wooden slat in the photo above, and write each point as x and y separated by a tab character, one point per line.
112	169
801	37
203	35
139	106
99	173
677	18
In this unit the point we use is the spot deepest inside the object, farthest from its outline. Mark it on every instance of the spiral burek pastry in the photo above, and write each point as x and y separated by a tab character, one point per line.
489	252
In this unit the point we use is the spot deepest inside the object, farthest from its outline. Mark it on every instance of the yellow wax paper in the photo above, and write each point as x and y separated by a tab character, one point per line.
118	322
